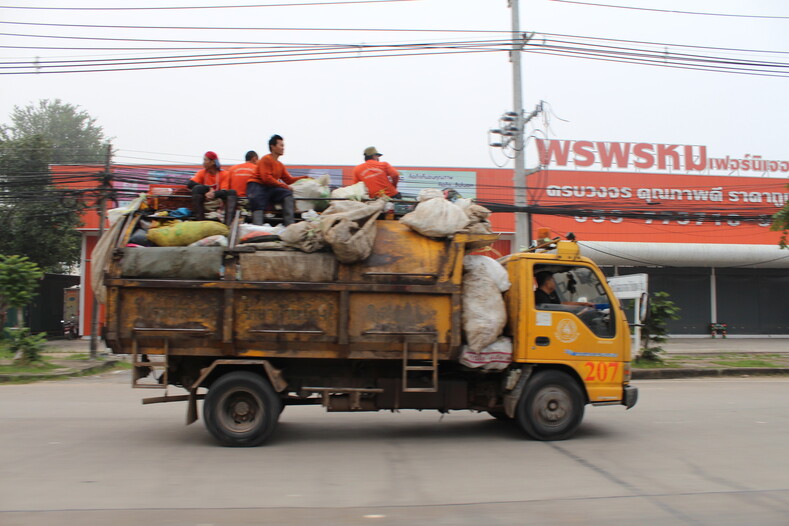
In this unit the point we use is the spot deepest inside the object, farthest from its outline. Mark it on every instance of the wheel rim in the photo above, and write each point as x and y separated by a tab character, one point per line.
240	411
553	406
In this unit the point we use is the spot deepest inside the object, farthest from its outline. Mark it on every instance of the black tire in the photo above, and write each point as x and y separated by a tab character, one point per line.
500	415
241	409
551	407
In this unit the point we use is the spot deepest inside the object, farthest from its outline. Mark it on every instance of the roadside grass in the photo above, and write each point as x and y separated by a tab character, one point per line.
650	364
745	362
42	367
77	356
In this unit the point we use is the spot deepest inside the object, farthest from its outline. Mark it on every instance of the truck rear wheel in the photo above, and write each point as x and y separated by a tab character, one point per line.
551	407
241	409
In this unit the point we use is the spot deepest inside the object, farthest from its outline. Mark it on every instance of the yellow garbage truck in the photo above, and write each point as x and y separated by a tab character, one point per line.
249	332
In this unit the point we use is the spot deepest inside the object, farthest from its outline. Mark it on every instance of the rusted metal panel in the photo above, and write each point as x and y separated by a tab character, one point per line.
197	313
267	316
400	255
399	317
288	266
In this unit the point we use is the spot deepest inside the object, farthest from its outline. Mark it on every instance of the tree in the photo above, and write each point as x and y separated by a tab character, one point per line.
38	220
781	222
18	283
654	331
72	133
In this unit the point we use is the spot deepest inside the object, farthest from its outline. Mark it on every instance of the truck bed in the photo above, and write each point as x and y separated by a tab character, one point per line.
236	303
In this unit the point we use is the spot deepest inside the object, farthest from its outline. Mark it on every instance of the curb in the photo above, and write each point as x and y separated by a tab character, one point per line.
93	369
672	373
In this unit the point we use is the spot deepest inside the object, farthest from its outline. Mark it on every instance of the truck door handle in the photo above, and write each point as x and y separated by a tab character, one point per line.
542	340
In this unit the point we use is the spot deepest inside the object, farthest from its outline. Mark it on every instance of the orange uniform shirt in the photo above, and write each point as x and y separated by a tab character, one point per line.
237	178
207	178
379	177
271	172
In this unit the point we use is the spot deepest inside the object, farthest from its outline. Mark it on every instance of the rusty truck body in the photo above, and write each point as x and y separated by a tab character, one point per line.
250	332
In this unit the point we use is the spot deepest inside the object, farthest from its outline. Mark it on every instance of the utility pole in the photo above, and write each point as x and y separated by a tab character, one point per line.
105	187
522	220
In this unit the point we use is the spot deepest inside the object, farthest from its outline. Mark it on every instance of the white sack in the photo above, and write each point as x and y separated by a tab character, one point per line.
356	192
491	267
429	193
484	312
494	357
436	218
309	189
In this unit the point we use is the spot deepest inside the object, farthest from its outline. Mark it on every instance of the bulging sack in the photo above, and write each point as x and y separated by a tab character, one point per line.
351	233
494	357
484	312
309	189
436	217
306	236
491	267
186	233
356	192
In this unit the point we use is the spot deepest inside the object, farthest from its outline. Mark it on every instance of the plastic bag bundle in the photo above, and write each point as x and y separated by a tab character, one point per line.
351	233
484	312
436	217
357	192
306	236
211	241
491	267
183	234
494	357
310	189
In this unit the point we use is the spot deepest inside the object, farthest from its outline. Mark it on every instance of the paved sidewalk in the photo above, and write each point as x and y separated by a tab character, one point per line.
727	345
59	350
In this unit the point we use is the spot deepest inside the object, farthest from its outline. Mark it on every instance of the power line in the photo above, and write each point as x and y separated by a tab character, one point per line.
184	8
673	11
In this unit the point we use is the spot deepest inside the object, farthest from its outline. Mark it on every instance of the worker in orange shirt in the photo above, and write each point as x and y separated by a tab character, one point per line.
205	183
269	184
234	186
379	177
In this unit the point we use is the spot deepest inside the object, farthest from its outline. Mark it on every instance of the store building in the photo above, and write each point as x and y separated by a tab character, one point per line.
698	226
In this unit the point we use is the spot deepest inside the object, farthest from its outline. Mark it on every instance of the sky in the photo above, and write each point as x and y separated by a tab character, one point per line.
428	110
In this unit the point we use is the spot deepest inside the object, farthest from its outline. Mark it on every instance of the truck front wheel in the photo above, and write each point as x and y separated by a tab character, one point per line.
551	407
241	409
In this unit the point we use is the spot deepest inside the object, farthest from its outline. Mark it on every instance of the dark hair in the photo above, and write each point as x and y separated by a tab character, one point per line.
273	141
368	157
542	277
250	154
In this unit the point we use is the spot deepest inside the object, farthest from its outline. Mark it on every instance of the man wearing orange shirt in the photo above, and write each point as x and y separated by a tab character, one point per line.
234	185
205	183
269	184
379	177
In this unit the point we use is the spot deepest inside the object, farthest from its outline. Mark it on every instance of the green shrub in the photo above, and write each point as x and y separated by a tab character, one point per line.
25	346
654	331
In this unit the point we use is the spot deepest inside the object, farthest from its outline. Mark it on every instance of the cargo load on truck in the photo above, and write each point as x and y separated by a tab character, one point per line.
357	309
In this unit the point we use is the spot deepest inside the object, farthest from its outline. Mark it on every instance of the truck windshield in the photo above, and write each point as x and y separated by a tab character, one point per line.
576	288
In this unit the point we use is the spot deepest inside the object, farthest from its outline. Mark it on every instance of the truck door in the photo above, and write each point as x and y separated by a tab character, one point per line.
577	323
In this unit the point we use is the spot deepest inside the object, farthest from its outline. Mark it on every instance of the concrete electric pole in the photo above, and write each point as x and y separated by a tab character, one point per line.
522	223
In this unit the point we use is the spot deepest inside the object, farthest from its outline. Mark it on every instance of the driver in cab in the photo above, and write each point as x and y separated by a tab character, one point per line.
546	292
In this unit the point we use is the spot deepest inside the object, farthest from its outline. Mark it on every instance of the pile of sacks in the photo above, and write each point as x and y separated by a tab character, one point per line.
348	227
435	216
485	314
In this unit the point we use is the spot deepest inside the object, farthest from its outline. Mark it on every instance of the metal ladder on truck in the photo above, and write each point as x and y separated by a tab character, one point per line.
411	366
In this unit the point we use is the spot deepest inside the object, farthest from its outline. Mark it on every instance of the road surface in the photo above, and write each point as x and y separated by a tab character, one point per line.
706	451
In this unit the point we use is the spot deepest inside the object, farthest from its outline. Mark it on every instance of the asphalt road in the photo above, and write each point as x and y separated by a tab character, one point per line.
84	451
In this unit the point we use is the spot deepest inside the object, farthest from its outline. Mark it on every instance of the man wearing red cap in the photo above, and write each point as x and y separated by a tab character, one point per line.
379	177
205	183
